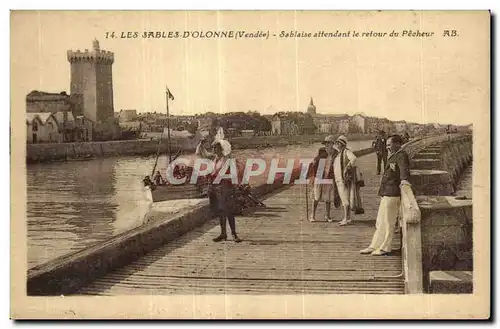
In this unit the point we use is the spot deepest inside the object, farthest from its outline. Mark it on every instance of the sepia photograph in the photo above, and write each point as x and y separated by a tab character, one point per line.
250	164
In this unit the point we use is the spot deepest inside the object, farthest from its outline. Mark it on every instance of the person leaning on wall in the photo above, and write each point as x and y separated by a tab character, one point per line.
397	173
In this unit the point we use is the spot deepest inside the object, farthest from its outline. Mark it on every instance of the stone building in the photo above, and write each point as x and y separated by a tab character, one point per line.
45	102
42	128
67	125
205	122
329	123
344	126
371	125
84	129
365	124
281	124
92	78
400	126
385	125
358	123
325	128
127	115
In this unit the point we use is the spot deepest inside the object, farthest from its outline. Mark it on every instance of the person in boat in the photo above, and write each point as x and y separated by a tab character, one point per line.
222	190
148	182
158	179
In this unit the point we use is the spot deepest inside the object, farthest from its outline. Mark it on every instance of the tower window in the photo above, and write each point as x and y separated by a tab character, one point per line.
35	126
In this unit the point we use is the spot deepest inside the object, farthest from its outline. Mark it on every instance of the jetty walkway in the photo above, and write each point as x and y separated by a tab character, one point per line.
281	252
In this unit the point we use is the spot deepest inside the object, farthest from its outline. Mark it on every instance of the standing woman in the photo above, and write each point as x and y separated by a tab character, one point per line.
343	166
222	190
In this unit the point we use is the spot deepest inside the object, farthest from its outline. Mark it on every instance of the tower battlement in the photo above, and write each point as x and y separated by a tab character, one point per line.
98	56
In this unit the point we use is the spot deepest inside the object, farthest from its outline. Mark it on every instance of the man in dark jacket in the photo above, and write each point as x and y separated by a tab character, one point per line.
396	174
380	146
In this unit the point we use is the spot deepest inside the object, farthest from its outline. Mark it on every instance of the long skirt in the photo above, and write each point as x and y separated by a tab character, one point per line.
350	196
387	216
222	199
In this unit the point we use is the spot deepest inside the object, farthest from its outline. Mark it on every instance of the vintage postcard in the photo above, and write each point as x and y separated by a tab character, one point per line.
250	164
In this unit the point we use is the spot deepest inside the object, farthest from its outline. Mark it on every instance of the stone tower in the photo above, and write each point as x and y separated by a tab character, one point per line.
311	109
92	78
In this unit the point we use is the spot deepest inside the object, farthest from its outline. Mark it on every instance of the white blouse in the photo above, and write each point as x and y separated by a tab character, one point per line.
337	170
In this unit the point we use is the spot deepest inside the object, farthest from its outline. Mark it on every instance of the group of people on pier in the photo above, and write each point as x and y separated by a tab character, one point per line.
336	163
345	181
334	177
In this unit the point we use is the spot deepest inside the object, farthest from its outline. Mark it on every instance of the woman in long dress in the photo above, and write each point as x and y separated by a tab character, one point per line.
222	190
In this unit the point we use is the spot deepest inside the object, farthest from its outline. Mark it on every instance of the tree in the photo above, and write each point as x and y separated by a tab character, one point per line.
192	127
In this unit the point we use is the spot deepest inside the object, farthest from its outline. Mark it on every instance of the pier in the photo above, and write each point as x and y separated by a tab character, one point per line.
282	252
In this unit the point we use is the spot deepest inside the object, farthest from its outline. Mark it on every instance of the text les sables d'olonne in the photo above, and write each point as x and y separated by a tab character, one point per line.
243	34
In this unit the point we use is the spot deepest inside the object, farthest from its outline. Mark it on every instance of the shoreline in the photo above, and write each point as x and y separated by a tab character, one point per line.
84	151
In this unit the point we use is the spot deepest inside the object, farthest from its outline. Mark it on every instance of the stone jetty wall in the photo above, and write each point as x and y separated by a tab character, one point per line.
47	152
437	166
446	218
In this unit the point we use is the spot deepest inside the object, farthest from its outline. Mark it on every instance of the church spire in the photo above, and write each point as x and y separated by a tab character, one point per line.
311	109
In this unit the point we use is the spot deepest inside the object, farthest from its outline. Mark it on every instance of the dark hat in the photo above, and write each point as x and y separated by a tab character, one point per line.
330	139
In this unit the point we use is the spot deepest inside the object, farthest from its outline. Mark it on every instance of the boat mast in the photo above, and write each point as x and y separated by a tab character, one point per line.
157	154
167	94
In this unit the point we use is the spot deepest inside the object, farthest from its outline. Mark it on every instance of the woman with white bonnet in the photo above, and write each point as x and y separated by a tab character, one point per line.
222	190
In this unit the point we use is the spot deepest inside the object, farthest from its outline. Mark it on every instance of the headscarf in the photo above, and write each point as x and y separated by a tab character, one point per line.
224	143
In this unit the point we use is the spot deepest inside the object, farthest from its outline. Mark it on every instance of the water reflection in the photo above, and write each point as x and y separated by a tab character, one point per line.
73	205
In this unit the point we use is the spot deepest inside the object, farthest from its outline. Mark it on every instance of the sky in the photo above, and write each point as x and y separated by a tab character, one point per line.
420	80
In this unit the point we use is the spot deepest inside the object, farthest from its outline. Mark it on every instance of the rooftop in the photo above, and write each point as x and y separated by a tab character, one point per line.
42	116
36	95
